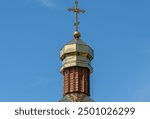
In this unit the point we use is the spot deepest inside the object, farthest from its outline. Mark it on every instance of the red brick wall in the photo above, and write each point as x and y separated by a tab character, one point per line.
76	79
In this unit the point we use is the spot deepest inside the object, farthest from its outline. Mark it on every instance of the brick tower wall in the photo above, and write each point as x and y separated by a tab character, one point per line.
76	80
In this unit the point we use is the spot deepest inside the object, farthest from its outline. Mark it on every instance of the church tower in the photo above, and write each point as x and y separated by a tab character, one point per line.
76	67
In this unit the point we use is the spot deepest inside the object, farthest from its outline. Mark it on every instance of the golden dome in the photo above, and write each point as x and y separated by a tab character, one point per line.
76	53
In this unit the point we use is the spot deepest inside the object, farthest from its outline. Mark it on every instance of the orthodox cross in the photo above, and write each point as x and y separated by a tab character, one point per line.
76	10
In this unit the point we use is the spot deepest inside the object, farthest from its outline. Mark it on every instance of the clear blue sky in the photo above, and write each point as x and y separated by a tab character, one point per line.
32	32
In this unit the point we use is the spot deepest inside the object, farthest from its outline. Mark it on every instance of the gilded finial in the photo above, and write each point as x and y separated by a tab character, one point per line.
76	10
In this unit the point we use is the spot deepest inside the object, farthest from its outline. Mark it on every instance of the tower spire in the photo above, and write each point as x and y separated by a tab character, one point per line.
76	57
77	11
